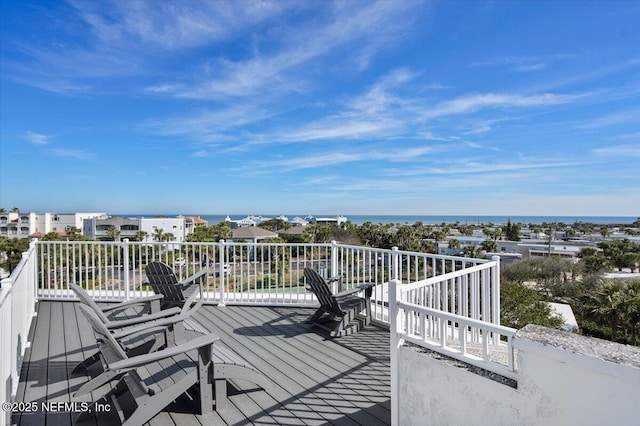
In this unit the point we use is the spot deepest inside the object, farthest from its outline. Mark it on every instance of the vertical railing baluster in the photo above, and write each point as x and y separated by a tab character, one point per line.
221	260
125	261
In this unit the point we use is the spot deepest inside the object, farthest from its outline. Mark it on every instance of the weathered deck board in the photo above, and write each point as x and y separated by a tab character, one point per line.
315	380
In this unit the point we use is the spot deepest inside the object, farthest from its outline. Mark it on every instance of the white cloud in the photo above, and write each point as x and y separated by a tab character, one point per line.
471	103
37	138
620	151
529	67
368	26
74	153
612	119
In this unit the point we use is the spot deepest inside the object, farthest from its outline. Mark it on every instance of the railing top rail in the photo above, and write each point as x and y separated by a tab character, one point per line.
242	244
448	276
431	255
500	329
446	257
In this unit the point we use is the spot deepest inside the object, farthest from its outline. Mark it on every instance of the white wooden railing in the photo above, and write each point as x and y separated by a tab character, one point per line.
239	273
444	303
17	307
456	314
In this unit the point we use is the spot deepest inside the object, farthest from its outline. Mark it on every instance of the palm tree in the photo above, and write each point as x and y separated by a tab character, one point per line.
141	235
473	251
466	230
607	303
158	235
113	233
438	236
493	233
604	231
404	236
632	308
454	243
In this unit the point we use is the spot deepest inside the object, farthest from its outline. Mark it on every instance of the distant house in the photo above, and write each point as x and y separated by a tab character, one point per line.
251	234
33	225
193	222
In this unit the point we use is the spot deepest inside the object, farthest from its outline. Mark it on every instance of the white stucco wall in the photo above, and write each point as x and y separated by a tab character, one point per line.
579	381
433	392
174	225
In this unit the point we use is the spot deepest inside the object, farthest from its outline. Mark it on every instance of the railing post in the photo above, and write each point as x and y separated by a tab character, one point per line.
395	264
34	246
221	275
125	255
395	324
334	259
495	290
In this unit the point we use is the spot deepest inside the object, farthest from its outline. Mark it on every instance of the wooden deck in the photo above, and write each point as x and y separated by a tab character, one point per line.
315	380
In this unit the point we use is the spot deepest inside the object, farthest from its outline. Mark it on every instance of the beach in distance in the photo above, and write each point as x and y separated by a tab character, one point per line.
433	219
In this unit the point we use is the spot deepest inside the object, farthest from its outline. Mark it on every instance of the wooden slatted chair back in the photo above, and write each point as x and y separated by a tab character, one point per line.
322	291
103	334
163	280
88	300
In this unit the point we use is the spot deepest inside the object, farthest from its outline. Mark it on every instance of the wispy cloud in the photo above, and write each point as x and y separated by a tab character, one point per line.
620	151
529	67
367	26
74	153
319	160
469	166
115	39
471	103
37	138
618	117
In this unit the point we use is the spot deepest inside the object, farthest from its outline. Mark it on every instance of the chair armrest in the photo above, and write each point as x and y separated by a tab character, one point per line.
366	286
167	321
143	319
362	287
129	331
349	292
133	302
141	360
192	278
187	308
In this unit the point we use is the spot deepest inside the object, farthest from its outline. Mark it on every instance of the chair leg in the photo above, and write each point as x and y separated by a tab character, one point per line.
86	363
221	393
96	382
315	317
368	311
115	391
205	377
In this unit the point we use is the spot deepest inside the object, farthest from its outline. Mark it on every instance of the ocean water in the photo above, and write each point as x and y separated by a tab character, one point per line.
437	219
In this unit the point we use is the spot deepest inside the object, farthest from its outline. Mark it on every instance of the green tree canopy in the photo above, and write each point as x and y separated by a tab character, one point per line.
521	305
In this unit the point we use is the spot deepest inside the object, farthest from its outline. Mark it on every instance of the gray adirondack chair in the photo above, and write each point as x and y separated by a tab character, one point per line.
342	313
163	280
148	383
145	333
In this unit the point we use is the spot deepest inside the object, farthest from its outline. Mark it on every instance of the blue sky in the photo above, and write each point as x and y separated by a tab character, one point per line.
316	107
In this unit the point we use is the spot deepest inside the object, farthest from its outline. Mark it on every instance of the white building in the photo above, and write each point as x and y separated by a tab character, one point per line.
173	225
24	225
